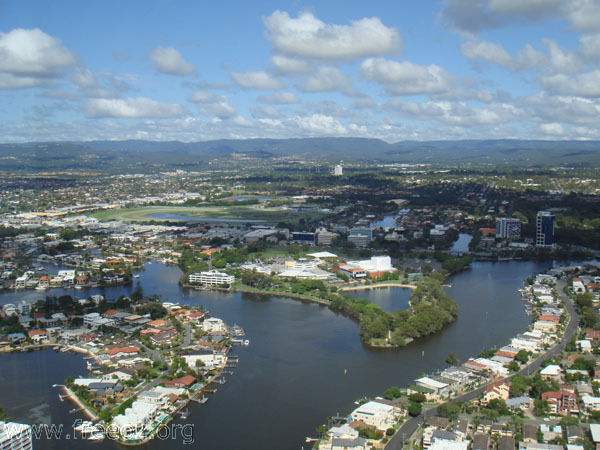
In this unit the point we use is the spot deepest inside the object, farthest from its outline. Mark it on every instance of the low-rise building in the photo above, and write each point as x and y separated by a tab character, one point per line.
376	414
212	278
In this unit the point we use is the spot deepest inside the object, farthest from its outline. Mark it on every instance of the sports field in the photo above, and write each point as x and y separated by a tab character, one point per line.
210	213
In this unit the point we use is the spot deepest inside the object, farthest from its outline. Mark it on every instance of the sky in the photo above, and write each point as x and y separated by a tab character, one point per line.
392	70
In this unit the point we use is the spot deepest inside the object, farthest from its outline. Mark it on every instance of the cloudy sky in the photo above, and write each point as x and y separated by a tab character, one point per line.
394	70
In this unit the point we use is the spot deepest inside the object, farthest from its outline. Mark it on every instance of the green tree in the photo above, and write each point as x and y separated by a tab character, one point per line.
522	356
449	410
452	360
414	409
518	386
392	392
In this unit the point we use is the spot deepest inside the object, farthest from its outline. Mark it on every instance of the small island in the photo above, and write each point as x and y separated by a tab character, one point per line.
323	278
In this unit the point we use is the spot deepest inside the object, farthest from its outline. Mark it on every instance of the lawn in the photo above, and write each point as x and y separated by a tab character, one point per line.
220	213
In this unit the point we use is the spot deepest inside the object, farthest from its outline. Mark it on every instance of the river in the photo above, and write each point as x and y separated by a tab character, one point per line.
304	362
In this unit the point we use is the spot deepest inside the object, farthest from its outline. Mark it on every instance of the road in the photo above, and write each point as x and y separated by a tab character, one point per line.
410	426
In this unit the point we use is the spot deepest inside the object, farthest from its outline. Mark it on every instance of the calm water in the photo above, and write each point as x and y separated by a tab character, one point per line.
462	243
292	376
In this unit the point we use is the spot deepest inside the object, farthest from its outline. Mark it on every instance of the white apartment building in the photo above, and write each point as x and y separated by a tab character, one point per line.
212	278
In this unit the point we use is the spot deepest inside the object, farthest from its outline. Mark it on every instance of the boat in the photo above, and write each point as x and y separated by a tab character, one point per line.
40	288
83	425
136	276
238	331
96	436
246	343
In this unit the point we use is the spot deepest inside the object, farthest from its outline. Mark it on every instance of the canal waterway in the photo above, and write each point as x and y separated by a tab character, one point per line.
304	362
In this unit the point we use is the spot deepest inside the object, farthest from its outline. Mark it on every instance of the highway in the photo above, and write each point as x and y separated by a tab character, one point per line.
410	426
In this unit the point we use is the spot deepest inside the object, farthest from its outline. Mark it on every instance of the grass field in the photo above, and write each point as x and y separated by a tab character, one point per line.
211	213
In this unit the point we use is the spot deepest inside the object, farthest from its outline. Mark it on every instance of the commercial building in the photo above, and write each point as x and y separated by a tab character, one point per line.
303	237
508	228
211	278
375	267
544	236
338	170
15	436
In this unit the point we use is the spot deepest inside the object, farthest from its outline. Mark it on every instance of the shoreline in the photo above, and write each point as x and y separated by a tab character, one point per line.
83	407
249	290
377	285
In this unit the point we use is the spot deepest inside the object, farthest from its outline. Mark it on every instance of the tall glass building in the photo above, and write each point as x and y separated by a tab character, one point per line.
544	236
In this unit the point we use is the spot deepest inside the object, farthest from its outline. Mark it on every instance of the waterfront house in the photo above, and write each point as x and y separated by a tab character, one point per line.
17	338
375	414
187	381
122	352
38	336
438	387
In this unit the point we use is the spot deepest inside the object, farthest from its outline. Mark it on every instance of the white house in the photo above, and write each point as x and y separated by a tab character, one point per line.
377	414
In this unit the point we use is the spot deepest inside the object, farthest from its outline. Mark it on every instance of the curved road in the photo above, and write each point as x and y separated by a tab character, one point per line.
411	425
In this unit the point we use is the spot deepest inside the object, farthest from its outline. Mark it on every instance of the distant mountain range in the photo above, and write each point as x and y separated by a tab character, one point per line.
95	154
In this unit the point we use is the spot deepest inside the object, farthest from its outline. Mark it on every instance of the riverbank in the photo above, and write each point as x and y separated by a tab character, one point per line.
387	284
82	406
308	298
411	426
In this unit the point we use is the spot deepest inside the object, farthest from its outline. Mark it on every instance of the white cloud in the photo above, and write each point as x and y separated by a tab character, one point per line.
584	14
562	109
132	108
257	80
279	98
168	60
309	37
526	59
590	46
406	78
532	9
458	113
287	64
242	121
31	58
328	79
469	16
204	97
472	16
554	129
319	124
222	110
582	85
563	60
84	78
266	112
